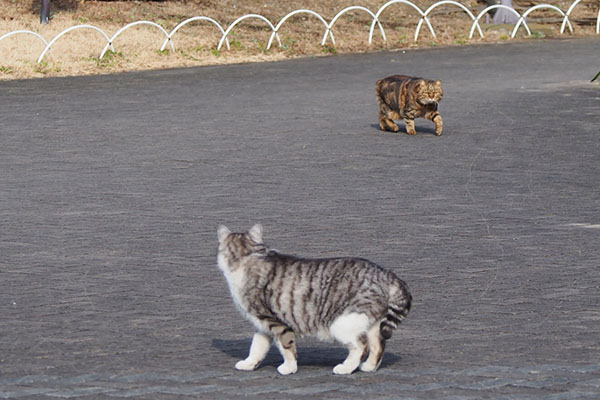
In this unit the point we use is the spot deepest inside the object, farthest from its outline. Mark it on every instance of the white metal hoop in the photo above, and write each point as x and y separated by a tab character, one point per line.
49	45
170	35
9	34
486	10
566	18
6	35
240	19
345	10
389	3
112	39
529	11
440	3
303	11
424	17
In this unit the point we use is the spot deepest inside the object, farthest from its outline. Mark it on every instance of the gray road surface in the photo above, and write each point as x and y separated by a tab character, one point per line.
112	188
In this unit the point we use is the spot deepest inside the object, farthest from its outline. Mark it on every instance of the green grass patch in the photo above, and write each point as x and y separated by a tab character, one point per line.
110	59
327	49
538	35
43	67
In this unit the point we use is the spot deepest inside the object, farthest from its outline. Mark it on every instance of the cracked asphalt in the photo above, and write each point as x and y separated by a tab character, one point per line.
112	188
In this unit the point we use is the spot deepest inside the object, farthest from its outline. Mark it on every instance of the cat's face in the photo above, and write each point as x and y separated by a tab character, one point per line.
430	93
235	245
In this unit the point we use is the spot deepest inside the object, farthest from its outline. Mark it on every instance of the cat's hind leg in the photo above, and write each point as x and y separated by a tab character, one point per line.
386	123
376	348
351	330
258	350
285	339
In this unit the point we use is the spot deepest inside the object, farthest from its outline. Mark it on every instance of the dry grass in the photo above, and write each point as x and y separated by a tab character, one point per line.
77	52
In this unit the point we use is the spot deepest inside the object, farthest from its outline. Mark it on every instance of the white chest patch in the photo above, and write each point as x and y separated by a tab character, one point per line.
235	281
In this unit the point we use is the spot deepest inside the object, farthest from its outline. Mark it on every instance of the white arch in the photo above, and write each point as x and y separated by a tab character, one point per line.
482	13
566	18
291	15
170	35
439	3
328	26
243	18
27	32
112	39
526	13
69	30
345	10
389	3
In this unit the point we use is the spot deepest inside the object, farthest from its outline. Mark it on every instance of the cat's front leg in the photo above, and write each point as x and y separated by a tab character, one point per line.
439	122
258	350
410	126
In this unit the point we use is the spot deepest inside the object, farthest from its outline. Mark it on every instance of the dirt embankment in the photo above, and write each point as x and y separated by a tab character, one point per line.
77	52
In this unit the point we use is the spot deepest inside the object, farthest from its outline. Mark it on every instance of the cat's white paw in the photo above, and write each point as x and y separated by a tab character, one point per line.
368	367
246	365
287	368
342	369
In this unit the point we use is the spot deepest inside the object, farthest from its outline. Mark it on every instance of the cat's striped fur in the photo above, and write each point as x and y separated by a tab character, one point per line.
351	300
407	98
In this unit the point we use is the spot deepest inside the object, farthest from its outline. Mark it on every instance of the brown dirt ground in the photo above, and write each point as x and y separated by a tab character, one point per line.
77	52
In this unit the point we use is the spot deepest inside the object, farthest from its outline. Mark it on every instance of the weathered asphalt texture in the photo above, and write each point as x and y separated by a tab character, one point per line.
112	188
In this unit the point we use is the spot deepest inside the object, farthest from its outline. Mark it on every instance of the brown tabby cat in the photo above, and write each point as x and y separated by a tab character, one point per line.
351	300
404	97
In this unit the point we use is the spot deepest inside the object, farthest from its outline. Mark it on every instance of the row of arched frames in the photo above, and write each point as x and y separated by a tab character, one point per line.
424	18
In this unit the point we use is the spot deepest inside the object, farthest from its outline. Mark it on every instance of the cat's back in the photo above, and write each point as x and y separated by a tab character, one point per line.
323	271
396	79
308	294
282	260
396	92
395	82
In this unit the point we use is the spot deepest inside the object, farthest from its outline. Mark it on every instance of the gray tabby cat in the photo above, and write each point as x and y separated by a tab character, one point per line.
351	300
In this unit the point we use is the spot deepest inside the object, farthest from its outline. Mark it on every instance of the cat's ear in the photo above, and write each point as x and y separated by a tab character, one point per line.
256	233
222	232
438	83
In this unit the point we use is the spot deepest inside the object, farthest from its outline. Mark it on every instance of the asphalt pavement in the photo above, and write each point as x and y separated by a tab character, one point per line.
112	188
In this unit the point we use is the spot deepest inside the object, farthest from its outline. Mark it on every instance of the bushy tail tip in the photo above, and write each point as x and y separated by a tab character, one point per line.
397	312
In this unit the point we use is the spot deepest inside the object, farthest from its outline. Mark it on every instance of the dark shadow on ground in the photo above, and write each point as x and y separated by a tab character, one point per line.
307	355
429	130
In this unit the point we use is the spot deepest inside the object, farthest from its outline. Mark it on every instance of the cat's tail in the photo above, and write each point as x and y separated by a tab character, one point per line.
400	301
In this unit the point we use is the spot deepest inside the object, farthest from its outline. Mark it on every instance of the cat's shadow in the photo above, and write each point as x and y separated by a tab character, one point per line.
421	129
307	355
